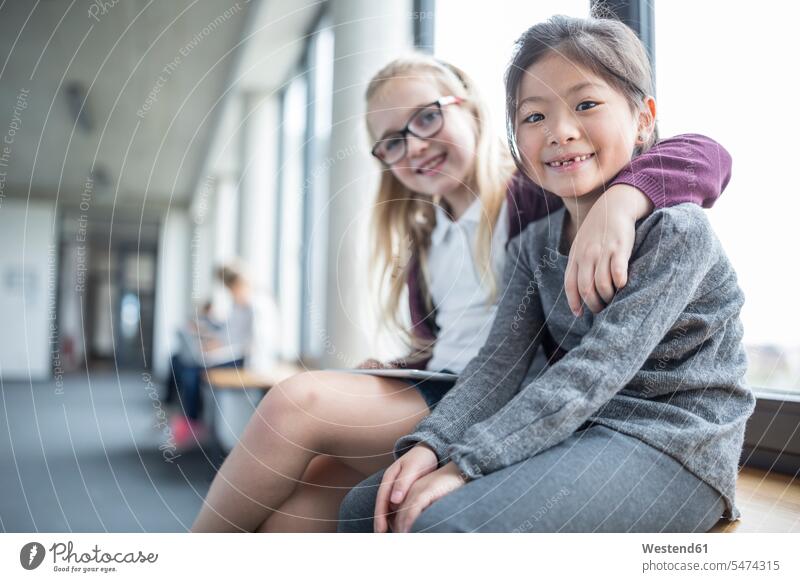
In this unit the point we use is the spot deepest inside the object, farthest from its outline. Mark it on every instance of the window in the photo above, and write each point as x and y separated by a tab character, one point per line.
301	226
290	214
319	64
479	37
728	82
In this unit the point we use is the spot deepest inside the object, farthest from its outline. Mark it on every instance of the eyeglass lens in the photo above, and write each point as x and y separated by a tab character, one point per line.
424	123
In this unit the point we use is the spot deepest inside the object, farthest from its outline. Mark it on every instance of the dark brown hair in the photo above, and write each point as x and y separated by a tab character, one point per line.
606	47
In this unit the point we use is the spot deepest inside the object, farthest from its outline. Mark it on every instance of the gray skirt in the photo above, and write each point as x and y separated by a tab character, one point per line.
598	480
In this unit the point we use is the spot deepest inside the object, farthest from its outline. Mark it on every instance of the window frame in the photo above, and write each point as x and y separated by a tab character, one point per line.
424	25
285	161
279	193
313	261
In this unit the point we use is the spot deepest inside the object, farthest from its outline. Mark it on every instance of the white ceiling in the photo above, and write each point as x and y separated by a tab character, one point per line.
119	57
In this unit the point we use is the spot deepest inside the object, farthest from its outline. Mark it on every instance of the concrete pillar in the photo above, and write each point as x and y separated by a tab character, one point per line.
367	35
172	297
226	218
257	189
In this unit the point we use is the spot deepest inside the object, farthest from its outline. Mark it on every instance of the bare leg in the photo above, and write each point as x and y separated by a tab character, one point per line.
314	505
353	418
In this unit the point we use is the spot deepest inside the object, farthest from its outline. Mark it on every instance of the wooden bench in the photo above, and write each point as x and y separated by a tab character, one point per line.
769	502
232	395
243	379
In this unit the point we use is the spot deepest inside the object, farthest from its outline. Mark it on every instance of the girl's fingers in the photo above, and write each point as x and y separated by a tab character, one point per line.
571	286
382	501
603	280
402	484
586	287
619	270
407	515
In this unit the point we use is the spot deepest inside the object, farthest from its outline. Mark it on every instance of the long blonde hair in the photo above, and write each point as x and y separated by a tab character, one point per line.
403	220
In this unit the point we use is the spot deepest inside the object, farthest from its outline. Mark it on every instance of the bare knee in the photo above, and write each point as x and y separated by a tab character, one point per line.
299	406
298	396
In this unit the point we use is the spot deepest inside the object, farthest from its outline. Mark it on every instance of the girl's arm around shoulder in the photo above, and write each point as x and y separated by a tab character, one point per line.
674	250
685	168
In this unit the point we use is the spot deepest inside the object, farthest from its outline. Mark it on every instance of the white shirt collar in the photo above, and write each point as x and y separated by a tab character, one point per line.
444	223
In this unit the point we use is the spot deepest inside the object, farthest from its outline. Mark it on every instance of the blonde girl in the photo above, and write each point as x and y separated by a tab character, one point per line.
448	202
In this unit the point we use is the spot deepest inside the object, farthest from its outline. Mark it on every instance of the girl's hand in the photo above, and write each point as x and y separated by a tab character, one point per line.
424	492
599	256
399	478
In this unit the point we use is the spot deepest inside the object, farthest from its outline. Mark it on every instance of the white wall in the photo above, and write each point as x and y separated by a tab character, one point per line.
28	283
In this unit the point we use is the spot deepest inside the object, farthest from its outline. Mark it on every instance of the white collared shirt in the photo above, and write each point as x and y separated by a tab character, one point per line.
464	311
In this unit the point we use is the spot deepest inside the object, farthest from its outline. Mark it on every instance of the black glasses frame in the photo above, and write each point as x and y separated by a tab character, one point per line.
406	131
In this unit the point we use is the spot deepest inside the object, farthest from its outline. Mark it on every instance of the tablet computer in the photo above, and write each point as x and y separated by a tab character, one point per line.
404	374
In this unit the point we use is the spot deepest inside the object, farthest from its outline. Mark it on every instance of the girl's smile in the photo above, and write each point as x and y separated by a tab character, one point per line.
570	162
432	165
436	166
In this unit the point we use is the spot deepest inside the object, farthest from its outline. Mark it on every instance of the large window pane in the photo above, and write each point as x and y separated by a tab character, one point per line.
736	84
320	73
478	37
291	216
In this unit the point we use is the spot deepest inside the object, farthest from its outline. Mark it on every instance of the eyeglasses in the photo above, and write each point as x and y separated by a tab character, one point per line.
424	124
